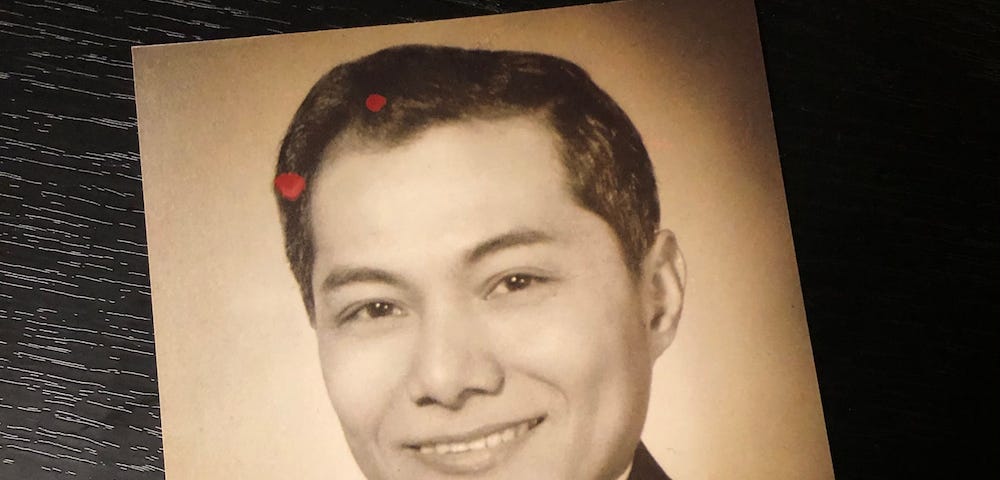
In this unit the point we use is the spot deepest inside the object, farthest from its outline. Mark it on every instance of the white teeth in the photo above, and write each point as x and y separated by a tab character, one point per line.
488	441
478	444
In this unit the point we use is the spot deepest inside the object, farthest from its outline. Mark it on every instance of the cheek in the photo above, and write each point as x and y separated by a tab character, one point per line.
590	350
362	377
580	341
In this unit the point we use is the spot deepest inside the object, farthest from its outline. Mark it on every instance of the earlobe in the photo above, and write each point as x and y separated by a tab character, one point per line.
664	277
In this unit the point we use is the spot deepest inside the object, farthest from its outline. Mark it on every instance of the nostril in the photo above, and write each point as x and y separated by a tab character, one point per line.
425	401
478	382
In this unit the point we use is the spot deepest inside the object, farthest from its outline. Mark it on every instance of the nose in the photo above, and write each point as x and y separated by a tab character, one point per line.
452	362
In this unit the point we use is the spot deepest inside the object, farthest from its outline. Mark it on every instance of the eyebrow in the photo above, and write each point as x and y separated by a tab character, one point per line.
516	238
345	276
342	276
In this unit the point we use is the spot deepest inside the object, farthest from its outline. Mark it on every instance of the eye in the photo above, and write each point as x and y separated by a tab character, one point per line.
372	311
514	282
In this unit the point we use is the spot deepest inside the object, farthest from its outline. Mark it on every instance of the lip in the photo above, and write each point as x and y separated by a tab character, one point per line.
476	450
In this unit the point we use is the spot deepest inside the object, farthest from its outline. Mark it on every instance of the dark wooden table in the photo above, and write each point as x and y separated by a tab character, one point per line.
886	126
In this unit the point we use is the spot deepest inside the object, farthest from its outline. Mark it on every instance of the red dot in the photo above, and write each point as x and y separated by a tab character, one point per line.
375	102
290	185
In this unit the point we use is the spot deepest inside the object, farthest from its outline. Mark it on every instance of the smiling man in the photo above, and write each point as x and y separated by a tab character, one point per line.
478	247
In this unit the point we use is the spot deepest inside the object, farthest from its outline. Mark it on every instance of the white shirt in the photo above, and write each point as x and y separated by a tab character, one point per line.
625	475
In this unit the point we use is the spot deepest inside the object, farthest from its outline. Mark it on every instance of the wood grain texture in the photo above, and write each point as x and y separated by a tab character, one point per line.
885	122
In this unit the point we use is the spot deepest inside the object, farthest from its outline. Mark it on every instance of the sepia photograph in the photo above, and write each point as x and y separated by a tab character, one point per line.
549	244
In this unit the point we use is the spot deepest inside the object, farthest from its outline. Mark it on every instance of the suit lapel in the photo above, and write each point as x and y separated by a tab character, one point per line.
644	466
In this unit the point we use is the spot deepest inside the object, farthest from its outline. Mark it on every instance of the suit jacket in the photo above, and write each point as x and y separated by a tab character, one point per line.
644	467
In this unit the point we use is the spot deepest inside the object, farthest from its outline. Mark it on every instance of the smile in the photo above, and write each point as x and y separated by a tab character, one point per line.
492	438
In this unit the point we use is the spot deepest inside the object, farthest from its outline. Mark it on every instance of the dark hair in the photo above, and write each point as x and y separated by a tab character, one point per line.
608	169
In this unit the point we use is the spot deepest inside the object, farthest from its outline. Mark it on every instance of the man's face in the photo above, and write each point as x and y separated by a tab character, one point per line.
473	320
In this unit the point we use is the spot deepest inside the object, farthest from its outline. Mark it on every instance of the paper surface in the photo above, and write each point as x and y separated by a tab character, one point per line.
240	384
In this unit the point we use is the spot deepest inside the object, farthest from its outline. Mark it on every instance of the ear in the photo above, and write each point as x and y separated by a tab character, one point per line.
663	279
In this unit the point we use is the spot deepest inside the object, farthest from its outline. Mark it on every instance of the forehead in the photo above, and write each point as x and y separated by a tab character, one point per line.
451	182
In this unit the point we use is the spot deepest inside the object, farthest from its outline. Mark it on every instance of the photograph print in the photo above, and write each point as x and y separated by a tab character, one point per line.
549	245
